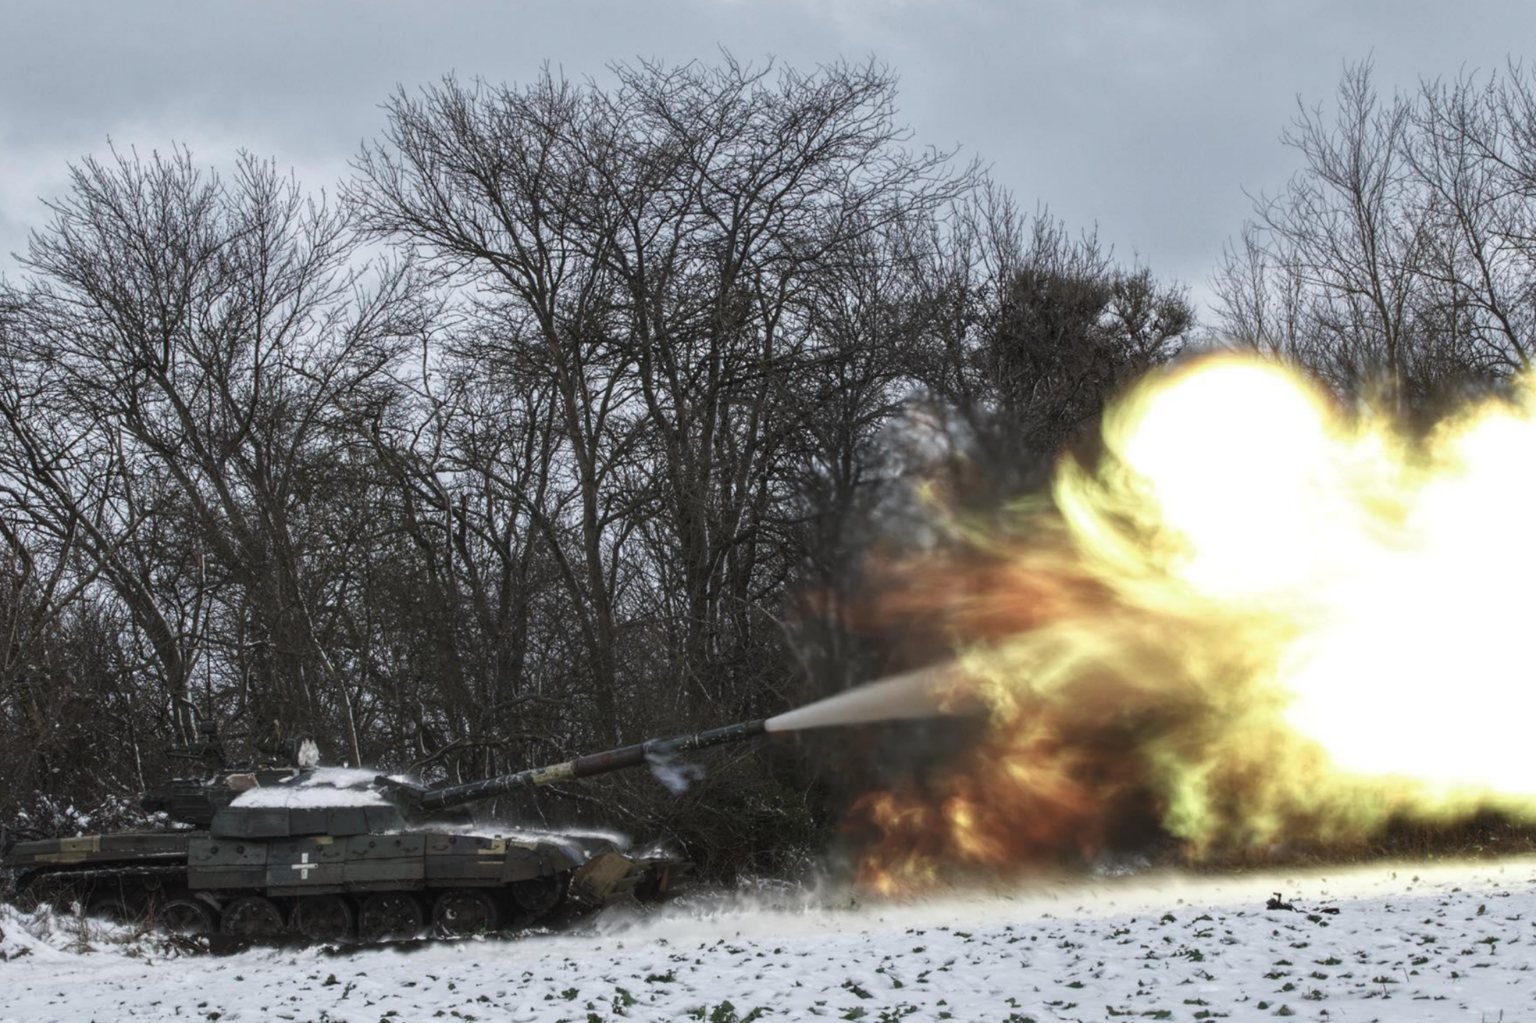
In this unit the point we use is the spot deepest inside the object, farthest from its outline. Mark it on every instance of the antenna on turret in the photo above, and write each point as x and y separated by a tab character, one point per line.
207	747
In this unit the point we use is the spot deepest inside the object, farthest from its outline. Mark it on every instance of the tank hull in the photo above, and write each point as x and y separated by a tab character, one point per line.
505	881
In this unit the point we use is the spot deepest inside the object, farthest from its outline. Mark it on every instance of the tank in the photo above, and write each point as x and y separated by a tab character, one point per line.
286	847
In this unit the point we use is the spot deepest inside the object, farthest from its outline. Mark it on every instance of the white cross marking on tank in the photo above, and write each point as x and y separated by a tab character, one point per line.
305	866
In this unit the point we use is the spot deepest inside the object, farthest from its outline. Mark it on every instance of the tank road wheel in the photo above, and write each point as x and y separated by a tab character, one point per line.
323	918
389	915
539	895
187	917
27	897
115	907
462	912
253	917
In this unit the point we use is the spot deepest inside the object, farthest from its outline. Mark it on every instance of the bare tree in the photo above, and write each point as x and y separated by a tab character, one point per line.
1401	253
1030	329
1476	162
484	511
198	345
657	245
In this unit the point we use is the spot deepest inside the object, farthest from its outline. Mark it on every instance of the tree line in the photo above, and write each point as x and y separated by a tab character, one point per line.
571	417
1400	262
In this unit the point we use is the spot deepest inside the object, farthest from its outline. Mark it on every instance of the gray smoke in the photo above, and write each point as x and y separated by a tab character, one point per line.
916	694
675	774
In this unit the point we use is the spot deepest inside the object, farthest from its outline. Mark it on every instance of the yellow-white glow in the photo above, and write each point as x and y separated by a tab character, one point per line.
1399	575
1261	618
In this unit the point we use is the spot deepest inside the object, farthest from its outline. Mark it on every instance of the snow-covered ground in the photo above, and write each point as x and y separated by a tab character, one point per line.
1409	942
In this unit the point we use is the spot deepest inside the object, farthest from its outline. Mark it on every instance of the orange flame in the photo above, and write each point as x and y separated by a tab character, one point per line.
1256	622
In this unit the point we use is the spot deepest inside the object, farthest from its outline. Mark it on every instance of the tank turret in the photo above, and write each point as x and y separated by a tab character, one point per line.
197	798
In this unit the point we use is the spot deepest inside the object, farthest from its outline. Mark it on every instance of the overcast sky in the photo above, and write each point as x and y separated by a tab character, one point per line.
1147	117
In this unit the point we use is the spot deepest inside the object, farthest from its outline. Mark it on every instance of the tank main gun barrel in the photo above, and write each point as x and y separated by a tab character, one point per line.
582	767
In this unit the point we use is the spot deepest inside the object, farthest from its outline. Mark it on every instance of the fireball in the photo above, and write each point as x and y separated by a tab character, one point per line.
1257	621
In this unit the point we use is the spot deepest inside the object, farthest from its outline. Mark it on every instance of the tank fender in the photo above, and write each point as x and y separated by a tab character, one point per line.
62	851
525	860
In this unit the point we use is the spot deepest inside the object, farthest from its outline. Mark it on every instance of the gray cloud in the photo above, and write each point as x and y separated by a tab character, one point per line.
1147	117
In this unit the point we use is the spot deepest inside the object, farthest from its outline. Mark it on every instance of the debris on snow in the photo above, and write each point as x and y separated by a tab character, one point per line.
1452	944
